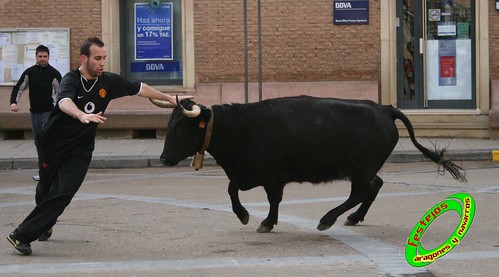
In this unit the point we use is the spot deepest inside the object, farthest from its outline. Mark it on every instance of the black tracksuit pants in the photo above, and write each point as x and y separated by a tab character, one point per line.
60	179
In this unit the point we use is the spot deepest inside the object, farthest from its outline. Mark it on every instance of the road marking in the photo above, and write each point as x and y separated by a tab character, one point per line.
214	263
181	264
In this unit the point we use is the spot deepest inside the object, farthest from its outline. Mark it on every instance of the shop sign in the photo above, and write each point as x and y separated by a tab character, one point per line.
350	12
155	66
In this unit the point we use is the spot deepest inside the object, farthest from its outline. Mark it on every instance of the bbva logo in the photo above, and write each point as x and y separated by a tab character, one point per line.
154	67
343	5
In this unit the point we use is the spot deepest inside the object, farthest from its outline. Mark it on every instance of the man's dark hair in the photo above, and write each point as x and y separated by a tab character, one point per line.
85	46
42	48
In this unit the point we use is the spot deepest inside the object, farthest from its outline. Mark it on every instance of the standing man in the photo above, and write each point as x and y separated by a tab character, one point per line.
67	142
42	80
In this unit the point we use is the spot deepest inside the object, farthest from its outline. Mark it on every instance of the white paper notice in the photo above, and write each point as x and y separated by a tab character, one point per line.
2	72
5	39
17	70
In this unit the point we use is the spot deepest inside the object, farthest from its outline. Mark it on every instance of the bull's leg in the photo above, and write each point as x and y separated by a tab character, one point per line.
357	195
274	195
357	216
237	207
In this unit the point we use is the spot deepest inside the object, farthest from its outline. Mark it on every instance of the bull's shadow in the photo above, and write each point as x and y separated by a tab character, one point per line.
293	139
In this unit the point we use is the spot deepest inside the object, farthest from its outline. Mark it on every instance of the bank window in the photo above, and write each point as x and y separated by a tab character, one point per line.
151	36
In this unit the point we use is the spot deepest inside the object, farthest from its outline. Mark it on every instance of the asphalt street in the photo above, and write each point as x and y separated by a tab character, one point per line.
160	221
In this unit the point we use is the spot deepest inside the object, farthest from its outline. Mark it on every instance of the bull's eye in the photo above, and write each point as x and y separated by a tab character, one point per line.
181	128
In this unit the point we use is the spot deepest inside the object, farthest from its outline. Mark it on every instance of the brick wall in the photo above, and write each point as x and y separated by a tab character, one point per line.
299	42
493	39
83	19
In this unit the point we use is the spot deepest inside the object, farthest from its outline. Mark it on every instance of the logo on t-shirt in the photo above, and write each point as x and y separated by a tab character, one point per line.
102	93
89	107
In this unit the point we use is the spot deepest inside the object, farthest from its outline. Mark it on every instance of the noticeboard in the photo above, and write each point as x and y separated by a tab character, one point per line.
18	46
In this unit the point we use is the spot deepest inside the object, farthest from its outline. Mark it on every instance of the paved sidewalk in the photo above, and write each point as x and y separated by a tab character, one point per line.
128	153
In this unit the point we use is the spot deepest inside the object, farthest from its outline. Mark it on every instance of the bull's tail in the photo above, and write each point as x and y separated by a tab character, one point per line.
437	156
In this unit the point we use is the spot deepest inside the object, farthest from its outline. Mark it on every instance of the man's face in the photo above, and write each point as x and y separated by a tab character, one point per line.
95	63
42	59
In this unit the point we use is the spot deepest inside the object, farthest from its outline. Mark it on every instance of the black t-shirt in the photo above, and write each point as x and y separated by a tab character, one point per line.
67	135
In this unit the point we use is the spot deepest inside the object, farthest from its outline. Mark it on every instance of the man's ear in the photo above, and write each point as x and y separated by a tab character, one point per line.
83	59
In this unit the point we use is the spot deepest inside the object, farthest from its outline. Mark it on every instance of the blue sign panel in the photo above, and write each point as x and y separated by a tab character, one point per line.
153	32
155	66
350	12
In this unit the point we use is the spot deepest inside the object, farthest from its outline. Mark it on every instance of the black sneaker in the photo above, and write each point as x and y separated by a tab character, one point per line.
46	235
22	247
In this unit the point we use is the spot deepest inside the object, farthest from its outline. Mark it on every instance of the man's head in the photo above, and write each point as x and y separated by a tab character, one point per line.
92	55
42	54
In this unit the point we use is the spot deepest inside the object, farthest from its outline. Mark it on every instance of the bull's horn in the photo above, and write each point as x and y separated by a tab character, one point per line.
196	110
162	104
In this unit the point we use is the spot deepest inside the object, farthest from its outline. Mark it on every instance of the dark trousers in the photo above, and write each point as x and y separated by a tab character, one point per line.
38	122
60	179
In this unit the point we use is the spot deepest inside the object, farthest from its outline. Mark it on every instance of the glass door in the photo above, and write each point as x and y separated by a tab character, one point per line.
435	49
409	52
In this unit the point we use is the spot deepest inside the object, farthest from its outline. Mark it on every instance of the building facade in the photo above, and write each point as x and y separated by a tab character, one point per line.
437	60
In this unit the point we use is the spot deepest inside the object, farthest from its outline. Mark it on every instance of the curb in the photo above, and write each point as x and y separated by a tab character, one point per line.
144	161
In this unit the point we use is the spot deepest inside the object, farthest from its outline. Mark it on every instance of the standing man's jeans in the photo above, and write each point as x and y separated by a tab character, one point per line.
38	122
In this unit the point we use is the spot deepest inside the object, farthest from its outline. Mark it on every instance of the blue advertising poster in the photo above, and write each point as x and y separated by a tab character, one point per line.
153	32
350	12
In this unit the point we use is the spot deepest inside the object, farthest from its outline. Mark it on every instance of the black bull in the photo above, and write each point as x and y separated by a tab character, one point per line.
294	139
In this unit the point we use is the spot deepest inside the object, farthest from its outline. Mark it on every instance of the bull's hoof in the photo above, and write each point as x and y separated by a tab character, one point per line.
323	227
243	216
244	220
264	229
352	221
349	222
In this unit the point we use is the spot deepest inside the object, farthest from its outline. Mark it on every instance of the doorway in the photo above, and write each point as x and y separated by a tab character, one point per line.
436	54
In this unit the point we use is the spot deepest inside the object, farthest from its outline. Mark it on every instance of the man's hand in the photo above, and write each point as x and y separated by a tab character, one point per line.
68	106
150	92
87	118
172	99
14	107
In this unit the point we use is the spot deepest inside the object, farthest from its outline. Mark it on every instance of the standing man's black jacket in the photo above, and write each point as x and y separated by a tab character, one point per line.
42	83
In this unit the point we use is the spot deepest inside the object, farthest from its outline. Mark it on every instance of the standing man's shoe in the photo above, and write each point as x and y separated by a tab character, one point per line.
46	235
22	247
36	178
